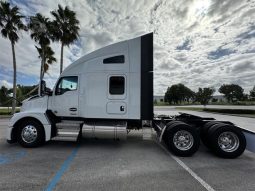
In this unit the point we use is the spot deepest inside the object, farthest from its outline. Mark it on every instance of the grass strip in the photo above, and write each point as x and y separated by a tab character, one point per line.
6	111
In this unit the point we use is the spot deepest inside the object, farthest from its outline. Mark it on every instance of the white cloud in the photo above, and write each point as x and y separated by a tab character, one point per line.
215	38
5	84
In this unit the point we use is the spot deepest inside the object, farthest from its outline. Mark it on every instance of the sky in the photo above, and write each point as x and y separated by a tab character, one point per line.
200	43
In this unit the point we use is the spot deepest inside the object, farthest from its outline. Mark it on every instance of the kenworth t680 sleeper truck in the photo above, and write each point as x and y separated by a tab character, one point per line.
109	92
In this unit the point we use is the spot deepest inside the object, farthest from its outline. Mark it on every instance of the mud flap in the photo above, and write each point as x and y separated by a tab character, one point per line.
250	140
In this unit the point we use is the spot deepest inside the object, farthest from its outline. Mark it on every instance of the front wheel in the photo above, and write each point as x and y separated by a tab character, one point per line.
182	139
31	134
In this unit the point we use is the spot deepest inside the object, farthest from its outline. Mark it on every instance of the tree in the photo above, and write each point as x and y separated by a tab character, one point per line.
204	95
178	93
232	92
47	56
25	91
3	97
10	24
40	28
214	100
66	28
252	93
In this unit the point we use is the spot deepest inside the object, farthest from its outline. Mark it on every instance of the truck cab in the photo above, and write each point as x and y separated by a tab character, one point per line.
111	88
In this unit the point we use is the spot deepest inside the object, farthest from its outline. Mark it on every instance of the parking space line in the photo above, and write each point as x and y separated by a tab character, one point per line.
185	167
10	157
61	171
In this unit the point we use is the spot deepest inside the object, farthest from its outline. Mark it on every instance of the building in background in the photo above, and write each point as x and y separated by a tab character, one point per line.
218	99
158	99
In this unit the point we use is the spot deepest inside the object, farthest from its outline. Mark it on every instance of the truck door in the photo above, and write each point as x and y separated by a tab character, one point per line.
65	98
117	95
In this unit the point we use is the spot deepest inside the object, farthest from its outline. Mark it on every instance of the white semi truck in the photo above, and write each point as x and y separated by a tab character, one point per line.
109	92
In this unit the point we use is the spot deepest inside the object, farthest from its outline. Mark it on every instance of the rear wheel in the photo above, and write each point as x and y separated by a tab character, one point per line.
31	134
227	141
204	132
182	139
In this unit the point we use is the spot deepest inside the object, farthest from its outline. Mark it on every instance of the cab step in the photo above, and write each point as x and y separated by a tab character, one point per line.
71	139
147	133
68	130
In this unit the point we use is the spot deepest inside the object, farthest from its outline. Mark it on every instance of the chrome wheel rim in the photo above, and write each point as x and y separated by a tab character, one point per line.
29	134
228	141
183	140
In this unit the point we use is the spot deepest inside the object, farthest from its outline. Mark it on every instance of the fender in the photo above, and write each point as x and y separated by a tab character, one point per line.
170	125
39	116
162	133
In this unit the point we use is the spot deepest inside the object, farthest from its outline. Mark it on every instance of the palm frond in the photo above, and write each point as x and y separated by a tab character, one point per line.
66	25
48	54
11	21
4	33
39	28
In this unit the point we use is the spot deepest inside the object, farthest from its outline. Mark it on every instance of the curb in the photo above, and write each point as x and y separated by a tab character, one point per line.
5	116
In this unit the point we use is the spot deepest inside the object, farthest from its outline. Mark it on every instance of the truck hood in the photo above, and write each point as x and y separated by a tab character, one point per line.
35	104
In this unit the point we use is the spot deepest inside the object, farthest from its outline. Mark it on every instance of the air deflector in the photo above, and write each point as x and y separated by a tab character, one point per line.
147	77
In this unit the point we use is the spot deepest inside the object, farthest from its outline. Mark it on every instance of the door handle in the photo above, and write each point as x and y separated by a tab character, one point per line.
122	108
72	109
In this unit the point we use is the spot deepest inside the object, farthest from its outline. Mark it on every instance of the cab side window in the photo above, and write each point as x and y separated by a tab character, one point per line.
69	83
117	85
115	60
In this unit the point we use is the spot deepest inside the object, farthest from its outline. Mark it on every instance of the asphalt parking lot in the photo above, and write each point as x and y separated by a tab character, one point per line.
134	164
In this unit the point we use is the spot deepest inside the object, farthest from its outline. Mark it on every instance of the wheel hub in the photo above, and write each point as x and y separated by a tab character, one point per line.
183	140
228	141
29	134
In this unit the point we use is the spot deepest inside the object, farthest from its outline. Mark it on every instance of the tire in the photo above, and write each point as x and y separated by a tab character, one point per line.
204	132
175	134
170	125
31	134
227	141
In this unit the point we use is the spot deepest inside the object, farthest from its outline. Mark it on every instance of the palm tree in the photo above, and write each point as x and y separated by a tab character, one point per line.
40	32
66	28
48	57
10	24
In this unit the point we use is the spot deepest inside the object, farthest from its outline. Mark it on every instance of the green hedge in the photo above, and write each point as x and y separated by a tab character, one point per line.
7	112
230	111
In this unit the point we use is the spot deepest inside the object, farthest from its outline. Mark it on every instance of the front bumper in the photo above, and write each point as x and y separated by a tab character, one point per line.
9	135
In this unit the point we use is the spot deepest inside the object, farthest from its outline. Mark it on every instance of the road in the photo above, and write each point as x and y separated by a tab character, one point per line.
134	164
